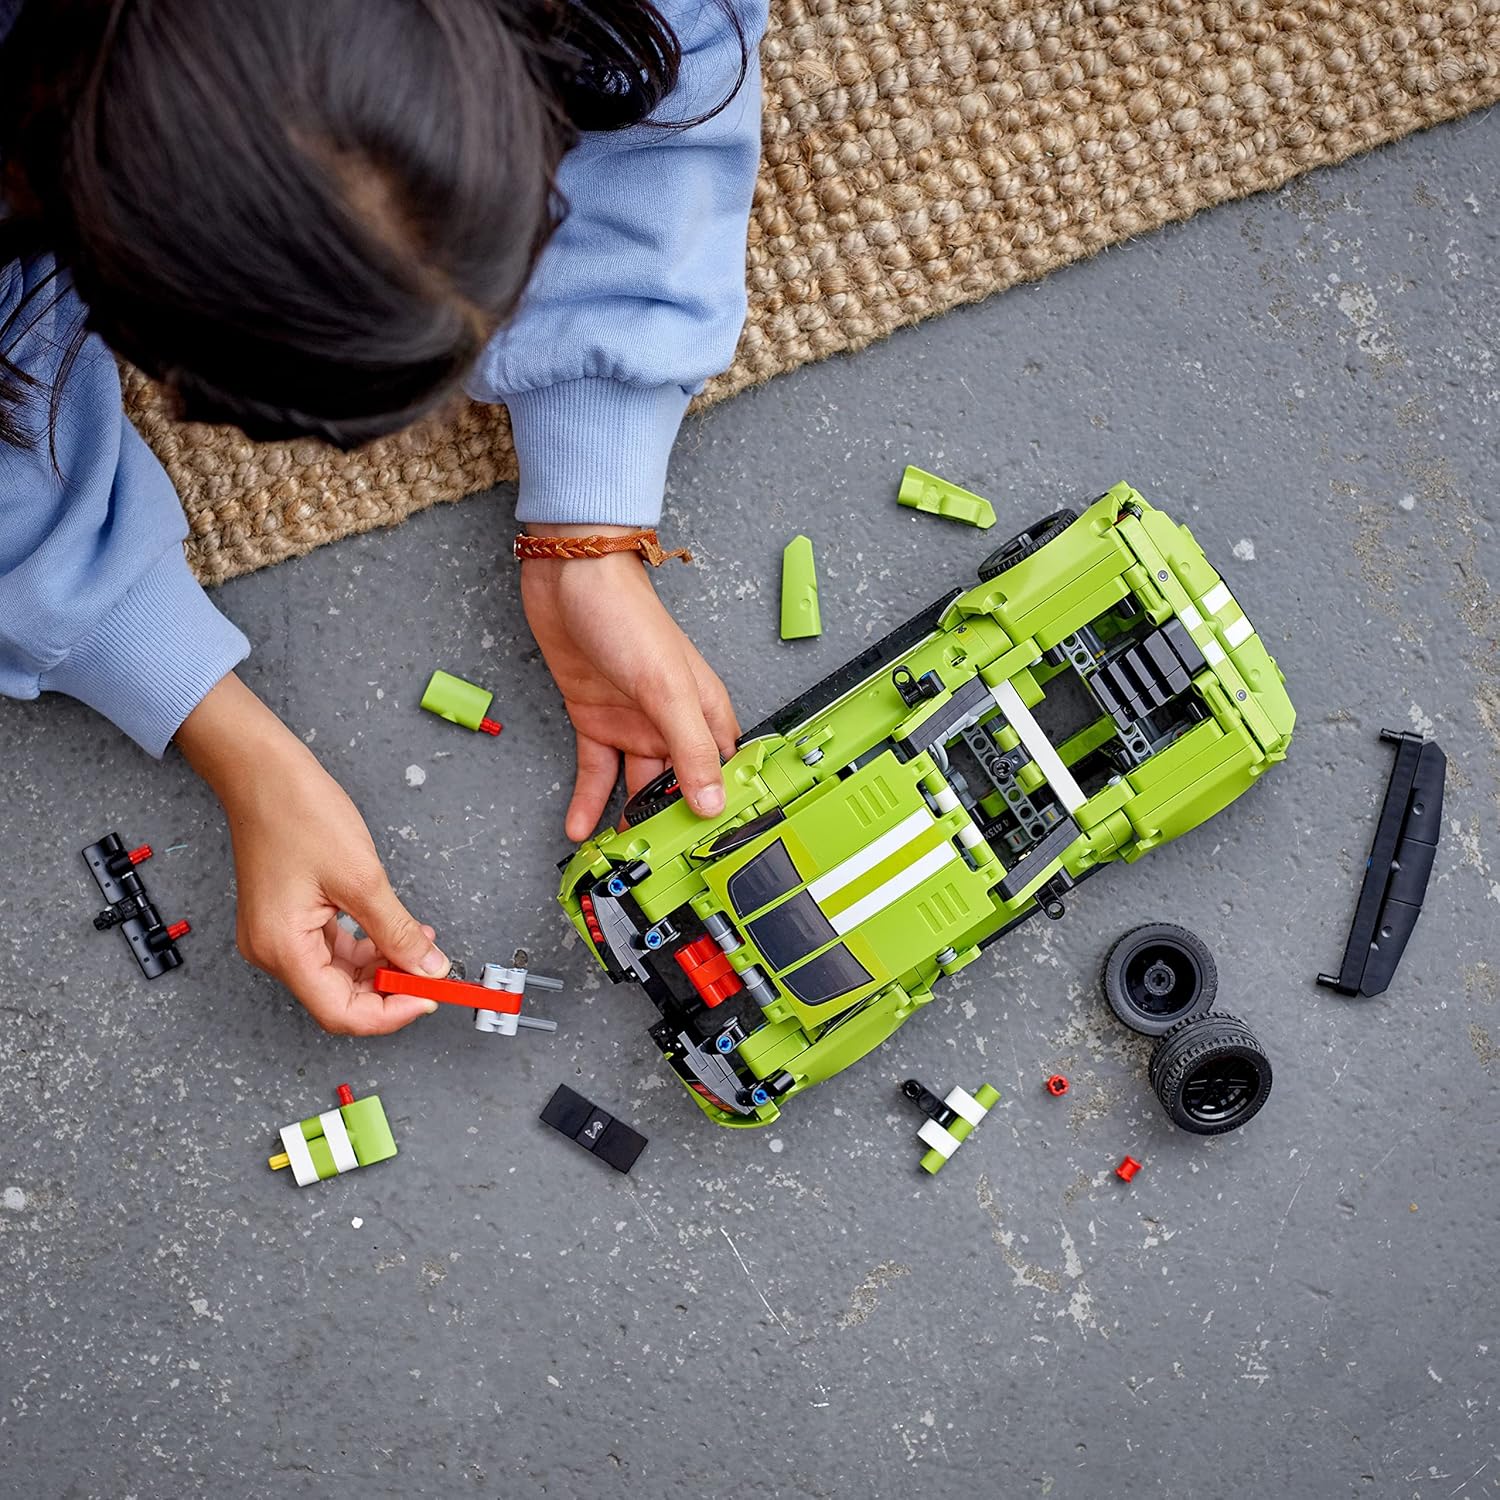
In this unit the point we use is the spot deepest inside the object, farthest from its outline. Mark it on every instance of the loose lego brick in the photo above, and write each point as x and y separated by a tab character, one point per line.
459	702
152	940
356	1134
594	1129
800	617
936	497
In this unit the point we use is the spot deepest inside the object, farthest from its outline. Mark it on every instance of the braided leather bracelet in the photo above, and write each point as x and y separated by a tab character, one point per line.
563	548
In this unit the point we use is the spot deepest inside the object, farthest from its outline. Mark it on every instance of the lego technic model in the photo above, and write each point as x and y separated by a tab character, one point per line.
1099	693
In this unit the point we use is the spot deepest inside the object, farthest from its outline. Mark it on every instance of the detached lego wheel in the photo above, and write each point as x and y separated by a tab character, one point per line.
1024	543
1210	1074
1158	976
656	796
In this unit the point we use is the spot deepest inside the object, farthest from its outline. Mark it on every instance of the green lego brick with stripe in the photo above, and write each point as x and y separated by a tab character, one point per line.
369	1135
997	630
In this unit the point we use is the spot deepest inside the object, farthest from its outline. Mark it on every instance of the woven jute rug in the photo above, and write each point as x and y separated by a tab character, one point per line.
920	154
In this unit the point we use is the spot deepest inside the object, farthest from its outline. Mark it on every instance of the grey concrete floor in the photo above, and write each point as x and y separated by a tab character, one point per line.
1304	1308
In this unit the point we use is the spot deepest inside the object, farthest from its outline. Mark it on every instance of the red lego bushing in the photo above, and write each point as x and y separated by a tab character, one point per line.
1057	1085
346	1094
1127	1169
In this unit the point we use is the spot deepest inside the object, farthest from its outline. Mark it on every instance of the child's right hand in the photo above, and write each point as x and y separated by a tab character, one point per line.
302	855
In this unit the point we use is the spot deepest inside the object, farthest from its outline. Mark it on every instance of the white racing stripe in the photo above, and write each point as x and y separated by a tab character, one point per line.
344	1159
870	856
894	888
932	1134
1238	633
1190	617
299	1158
964	1104
1213	653
1217	597
1039	747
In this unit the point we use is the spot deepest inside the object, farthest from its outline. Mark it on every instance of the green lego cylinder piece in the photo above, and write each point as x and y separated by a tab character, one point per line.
457	701
800	617
961	1129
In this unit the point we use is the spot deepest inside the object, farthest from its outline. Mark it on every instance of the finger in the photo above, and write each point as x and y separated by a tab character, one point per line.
677	711
723	722
639	769
593	786
394	931
304	965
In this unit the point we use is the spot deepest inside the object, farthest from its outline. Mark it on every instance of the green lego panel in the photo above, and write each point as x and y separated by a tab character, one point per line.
455	700
871	843
936	497
369	1131
800	618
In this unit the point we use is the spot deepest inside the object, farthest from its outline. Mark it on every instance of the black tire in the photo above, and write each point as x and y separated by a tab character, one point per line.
1210	1074
656	796
1025	543
1158	976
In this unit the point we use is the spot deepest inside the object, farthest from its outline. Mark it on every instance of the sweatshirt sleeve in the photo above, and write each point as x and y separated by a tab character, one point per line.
96	599
640	296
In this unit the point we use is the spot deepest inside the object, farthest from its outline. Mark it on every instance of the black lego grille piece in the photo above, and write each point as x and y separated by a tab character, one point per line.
595	1130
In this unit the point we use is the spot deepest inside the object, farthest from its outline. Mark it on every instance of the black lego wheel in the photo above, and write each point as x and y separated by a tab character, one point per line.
1024	543
657	795
1210	1074
1159	975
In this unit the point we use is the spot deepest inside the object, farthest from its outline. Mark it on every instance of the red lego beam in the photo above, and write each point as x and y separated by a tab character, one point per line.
449	991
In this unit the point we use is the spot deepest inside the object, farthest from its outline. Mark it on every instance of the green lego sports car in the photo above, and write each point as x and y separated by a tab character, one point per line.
1098	693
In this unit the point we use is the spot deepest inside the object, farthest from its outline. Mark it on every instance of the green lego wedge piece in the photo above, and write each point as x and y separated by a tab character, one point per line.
926	492
369	1130
800	618
455	700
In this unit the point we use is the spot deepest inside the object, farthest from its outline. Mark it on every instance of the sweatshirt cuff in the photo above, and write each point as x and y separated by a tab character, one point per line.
594	451
153	658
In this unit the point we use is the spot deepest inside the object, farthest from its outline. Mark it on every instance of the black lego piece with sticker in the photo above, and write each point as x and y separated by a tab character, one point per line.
580	1120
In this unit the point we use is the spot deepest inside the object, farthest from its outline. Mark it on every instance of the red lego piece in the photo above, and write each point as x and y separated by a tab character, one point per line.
346	1094
178	930
1057	1085
709	969
1127	1169
449	991
140	854
489	726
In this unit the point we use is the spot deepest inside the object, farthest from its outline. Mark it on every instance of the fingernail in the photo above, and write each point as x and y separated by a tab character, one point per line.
435	964
709	800
428	1006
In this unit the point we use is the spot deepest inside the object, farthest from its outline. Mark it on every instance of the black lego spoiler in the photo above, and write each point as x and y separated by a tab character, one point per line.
1398	868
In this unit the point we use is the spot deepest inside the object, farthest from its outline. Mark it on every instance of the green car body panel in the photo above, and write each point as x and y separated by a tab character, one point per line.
880	831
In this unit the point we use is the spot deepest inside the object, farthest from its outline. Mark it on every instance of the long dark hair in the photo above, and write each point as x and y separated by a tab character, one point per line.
302	218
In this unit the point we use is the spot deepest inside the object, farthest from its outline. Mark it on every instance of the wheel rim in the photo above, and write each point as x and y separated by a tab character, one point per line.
1220	1090
1161	980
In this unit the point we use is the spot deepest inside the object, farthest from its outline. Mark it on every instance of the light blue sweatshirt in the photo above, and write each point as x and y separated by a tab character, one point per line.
637	301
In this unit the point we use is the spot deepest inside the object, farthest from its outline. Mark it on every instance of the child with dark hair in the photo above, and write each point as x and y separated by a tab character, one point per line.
329	219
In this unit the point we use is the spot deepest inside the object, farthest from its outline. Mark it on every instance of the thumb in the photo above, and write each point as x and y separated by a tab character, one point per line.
678	715
394	931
